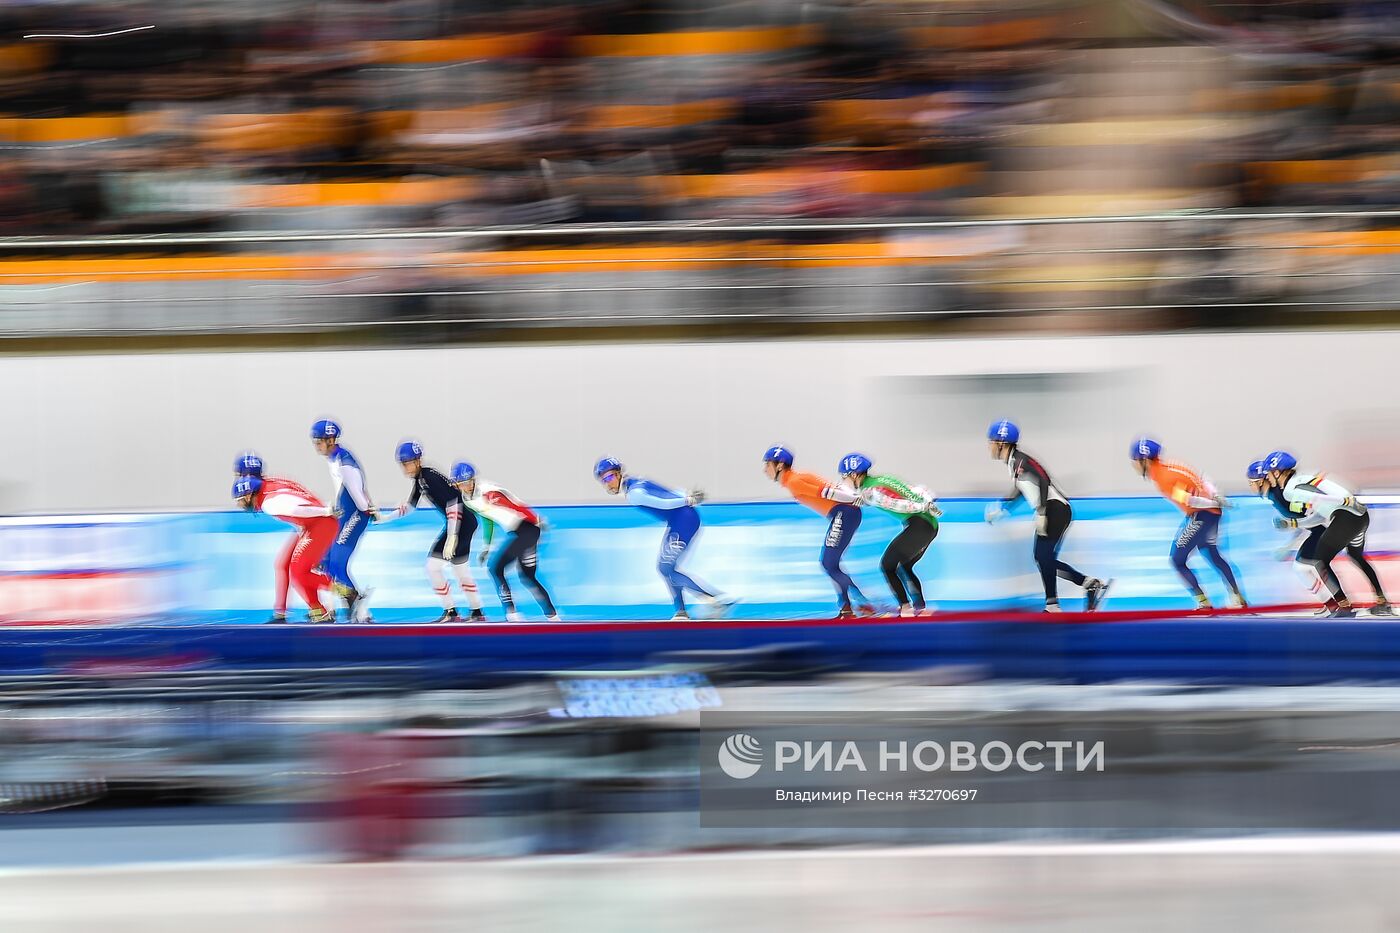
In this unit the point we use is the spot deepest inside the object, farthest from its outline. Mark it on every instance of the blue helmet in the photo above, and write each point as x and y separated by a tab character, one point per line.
853	463
248	463
409	450
1257	470
605	466
779	454
325	430
1280	460
1145	448
463	471
1004	432
246	486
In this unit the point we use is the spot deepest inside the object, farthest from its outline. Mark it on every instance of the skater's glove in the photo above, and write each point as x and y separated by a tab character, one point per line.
695	497
449	547
933	509
1284	524
483	555
1040	523
995	512
1224	503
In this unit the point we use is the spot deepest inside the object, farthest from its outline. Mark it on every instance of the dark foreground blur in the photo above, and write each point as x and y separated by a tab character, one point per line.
609	763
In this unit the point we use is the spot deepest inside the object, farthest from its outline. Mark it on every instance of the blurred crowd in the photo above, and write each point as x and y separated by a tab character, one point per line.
141	117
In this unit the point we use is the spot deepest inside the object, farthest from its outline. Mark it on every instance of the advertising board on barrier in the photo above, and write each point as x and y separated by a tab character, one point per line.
599	562
94	568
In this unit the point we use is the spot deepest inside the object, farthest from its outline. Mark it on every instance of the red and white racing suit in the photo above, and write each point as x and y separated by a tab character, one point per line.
293	504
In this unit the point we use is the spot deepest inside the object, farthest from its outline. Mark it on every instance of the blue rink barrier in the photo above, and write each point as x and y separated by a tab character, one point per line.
1215	650
599	562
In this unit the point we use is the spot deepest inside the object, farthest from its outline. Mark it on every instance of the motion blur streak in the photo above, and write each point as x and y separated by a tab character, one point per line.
518	238
1288	884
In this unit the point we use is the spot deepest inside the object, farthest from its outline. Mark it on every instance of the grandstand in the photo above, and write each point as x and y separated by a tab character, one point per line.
542	132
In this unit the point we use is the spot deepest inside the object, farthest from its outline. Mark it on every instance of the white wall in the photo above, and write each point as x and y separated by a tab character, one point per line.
139	431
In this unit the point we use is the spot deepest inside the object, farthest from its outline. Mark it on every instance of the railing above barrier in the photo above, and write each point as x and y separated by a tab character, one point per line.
1202	262
697	227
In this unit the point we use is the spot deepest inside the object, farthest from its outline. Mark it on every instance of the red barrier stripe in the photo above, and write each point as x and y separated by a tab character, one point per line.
545	628
49	623
77	575
1032	618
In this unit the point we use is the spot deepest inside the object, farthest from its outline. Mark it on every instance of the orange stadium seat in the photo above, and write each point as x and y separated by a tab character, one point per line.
757	184
452	49
22	58
65	129
1341	243
1324	171
654	116
173	268
276	131
853	114
683	258
699	42
401	192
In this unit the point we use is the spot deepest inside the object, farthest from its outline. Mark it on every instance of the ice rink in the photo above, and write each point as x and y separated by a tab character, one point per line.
1319	883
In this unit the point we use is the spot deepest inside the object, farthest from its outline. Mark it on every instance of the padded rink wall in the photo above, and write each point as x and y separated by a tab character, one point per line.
117	432
599	562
